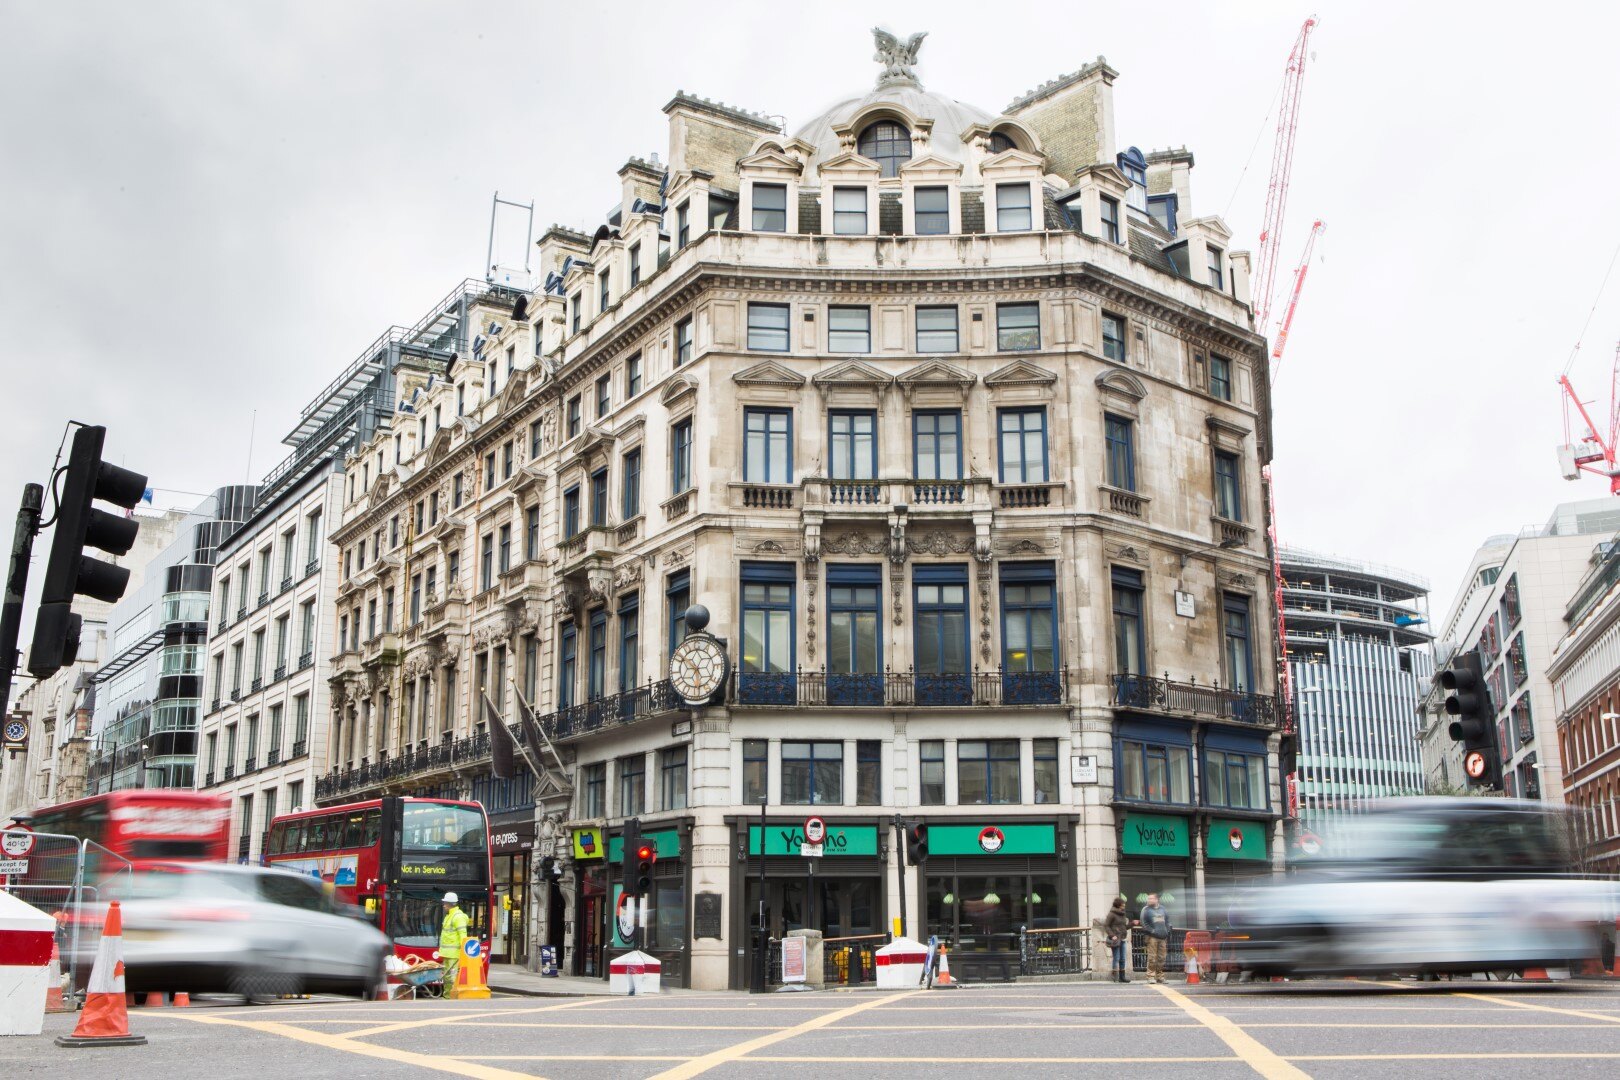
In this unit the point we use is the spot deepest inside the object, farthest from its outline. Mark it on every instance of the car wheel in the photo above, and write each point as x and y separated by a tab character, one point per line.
260	986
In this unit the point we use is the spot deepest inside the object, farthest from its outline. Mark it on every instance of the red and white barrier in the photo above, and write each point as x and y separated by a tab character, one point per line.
26	938
900	964
635	973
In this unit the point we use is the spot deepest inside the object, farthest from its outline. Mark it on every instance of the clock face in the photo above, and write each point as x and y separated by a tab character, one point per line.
697	668
16	731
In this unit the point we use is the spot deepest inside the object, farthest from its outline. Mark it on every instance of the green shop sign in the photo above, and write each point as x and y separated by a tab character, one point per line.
841	840
1237	840
984	839
667	842
1155	834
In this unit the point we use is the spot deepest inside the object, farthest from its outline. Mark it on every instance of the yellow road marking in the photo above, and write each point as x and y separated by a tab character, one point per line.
387	1053
857	1059
699	1065
1486	1056
461	1018
1496	1000
1244	1045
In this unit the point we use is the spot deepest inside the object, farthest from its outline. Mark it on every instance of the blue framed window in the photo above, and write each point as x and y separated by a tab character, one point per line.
632	374
813	773
852	438
604	396
531	533
596	672
1130	637
677	598
1239	650
1018	327
571	511
1217	272
630	494
635	267
854	635
987	771
768	446
1113	337
575	423
599	496
680	457
936	445
849	329
1023	445
940	635
1220	377
1109	213
938	330
766	673
683	341
1234	772
629	641
1119	434
1029	633
567	665
1228	487
683	225
1153	763
768	327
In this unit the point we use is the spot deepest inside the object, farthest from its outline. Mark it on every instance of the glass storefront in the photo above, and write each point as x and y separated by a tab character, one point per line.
983	912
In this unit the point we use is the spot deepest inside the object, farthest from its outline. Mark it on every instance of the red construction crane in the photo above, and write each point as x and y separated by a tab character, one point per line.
1293	299
1595	453
1282	167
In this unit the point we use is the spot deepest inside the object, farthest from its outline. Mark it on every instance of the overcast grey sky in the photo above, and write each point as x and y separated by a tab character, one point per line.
207	209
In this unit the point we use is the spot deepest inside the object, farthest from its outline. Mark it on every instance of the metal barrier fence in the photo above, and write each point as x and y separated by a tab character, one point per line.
1064	950
1173	958
70	880
845	961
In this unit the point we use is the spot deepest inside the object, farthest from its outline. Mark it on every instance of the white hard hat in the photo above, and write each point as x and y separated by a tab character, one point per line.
450	898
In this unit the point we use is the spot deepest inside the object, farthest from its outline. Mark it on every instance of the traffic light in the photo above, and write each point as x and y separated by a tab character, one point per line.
917	844
1475	724
631	840
80	525
646	855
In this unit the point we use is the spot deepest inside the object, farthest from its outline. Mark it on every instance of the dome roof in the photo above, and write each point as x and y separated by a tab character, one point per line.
950	117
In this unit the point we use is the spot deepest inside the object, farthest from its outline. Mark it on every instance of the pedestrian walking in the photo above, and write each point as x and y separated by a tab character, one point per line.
452	936
1156	926
1117	928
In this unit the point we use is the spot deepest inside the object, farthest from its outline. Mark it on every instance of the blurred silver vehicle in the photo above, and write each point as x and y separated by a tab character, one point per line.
254	931
1427	885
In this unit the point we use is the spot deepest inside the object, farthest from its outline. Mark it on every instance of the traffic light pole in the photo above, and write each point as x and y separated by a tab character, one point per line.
22	550
900	850
762	945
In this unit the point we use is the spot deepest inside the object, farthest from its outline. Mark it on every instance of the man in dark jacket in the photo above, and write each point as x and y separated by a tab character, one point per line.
1156	927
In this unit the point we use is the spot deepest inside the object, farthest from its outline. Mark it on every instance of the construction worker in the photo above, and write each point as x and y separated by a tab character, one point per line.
452	936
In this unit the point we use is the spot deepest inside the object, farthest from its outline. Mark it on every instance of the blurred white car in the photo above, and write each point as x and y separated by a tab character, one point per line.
1427	885
254	931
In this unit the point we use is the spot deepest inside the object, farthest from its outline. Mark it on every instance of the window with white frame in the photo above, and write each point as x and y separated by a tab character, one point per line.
1013	208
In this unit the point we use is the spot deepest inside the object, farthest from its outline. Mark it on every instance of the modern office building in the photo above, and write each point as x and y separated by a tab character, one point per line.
953	420
1359	661
149	690
1511	608
264	732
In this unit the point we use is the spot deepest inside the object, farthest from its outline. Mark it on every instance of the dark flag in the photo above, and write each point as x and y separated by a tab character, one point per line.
500	743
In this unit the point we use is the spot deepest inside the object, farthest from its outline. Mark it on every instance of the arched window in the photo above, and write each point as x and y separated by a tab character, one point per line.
888	144
1000	140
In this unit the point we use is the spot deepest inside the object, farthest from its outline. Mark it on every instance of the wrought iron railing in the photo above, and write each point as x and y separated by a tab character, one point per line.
615	711
1162	695
902	689
1064	950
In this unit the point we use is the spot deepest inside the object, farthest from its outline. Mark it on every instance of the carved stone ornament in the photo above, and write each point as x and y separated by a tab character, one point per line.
679	556
897	541
897	56
1236	580
528	617
939	543
897	587
853	543
811	573
984	614
496	630
599	584
627	576
812	546
1127	553
769	547
1027	547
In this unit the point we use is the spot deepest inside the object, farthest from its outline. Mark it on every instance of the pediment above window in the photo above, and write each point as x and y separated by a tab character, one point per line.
438	447
850	166
1225	434
679	387
1020	373
770	162
936	375
853	373
769	373
1121	392
931	167
1010	163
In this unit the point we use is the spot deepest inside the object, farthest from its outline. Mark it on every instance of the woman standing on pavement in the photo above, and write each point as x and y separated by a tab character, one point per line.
1117	928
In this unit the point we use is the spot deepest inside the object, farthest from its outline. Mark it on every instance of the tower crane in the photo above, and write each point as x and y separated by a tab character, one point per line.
1293	299
1282	167
1595	452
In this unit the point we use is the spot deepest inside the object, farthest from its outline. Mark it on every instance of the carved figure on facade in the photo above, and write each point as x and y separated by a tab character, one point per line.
939	543
897	539
679	556
627	576
897	56
984	614
854	543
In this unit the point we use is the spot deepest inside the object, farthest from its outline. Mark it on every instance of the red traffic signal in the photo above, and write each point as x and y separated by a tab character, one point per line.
646	856
646	853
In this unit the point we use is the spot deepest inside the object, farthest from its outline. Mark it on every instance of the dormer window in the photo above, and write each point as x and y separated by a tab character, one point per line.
849	211
575	305
1000	142
1013	208
635	270
770	208
683	226
933	211
1109	213
1217	276
888	144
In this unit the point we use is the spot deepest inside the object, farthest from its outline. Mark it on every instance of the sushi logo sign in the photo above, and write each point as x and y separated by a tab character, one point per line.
991	839
1235	838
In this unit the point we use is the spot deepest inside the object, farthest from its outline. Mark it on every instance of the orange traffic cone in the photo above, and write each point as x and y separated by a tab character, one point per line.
1535	974
943	976
1191	969
155	999
55	1000
181	999
105	1020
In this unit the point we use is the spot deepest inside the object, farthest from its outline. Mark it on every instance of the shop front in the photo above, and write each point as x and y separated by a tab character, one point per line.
591	873
511	847
1155	856
665	936
986	881
840	892
1237	856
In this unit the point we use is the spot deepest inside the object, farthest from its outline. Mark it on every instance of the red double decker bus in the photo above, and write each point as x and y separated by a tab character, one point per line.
144	826
395	857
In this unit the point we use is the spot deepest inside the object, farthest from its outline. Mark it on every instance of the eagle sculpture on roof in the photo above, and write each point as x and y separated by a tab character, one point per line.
896	57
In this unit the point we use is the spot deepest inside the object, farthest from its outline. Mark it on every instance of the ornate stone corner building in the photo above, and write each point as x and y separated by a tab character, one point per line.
955	423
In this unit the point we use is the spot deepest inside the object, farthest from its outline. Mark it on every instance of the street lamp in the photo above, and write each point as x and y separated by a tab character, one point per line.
1225	545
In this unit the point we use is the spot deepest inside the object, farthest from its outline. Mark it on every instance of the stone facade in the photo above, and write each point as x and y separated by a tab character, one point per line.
975	506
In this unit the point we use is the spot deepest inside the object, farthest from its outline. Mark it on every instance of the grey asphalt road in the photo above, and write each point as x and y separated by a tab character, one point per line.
1318	1029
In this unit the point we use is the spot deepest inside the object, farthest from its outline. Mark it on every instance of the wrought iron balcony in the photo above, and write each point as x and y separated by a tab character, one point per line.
258	683
213	706
300	748
230	772
236	693
250	765
280	672
273	757
208	780
615	711
902	689
306	659
312	566
286	583
1146	693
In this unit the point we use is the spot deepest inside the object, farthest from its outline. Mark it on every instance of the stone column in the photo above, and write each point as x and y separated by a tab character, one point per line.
709	860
